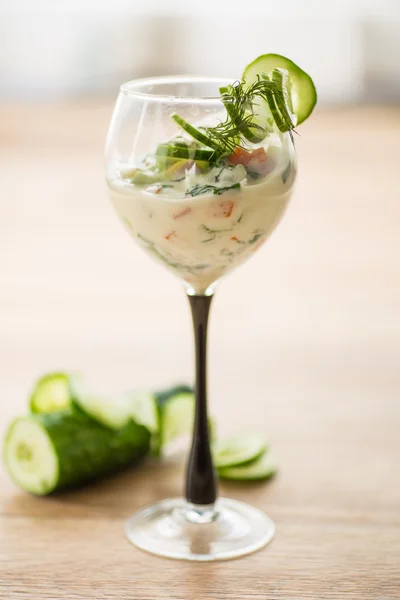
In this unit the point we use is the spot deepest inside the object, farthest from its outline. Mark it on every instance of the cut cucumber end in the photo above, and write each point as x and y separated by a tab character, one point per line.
53	392
30	457
303	91
238	449
262	468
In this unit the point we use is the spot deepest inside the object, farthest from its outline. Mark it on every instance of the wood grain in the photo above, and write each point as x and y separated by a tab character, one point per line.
304	346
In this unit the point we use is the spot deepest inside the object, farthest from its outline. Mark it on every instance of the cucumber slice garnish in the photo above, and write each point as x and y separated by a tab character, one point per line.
303	92
194	132
192	153
273	106
278	100
261	468
238	450
53	392
284	100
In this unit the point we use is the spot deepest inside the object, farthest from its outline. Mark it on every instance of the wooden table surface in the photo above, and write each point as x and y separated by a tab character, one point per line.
304	346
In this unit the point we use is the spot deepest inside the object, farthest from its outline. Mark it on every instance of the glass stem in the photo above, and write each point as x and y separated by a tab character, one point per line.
201	482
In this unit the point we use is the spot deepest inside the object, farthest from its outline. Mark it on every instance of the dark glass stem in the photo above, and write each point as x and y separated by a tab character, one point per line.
201	482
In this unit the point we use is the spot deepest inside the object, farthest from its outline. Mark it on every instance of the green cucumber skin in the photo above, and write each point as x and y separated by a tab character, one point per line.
86	450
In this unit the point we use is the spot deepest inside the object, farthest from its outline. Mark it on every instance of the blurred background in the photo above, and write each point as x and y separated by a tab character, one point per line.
304	338
63	48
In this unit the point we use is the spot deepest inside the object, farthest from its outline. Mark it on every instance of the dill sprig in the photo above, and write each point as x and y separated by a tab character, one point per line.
242	103
251	112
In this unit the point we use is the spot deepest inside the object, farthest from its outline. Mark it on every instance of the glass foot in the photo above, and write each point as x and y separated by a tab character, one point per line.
173	529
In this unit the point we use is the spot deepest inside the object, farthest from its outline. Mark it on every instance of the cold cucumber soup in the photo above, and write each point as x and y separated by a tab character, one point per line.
202	225
203	201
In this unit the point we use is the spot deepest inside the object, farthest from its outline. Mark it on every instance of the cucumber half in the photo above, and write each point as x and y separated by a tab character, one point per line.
53	392
259	469
47	452
238	450
303	92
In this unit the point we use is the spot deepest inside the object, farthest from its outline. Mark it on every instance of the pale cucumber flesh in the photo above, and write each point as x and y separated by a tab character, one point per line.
30	457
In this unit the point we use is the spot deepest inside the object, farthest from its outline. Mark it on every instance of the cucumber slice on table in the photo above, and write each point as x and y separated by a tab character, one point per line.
47	452
303	92
176	414
238	450
53	392
262	467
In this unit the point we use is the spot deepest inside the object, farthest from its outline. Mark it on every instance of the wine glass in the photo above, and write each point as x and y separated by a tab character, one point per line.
200	238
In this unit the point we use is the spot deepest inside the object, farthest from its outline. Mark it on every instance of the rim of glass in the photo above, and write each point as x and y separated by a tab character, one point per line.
133	87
